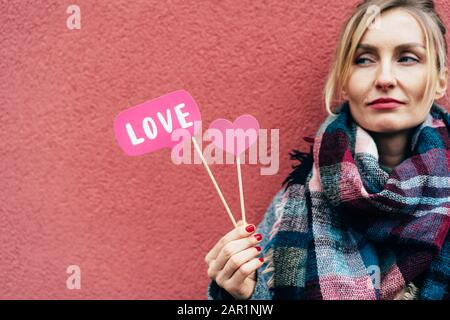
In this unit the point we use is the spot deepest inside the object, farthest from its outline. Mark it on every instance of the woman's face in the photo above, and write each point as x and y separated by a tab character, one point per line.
390	62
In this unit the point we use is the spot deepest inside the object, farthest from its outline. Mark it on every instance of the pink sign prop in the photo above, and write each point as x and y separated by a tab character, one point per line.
147	127
236	130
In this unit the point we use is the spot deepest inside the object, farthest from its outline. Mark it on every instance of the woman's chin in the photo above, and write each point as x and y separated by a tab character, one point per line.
386	124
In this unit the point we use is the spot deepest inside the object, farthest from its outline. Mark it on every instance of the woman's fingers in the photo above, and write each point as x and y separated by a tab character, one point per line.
242	284
232	261
246	269
237	261
233	248
237	233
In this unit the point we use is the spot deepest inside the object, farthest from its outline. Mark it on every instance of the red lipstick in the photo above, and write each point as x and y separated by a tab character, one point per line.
385	103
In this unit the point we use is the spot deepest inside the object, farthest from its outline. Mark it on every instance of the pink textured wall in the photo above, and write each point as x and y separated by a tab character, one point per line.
140	227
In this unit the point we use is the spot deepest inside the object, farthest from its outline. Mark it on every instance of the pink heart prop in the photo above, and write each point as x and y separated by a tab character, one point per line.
245	122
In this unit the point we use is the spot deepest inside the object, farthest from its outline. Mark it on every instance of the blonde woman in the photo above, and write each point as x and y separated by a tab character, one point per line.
366	215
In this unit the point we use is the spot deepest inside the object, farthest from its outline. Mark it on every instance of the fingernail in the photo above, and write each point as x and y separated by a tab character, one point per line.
258	248
261	259
258	237
250	228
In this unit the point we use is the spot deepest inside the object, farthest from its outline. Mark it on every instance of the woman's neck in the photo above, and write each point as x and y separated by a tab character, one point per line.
393	148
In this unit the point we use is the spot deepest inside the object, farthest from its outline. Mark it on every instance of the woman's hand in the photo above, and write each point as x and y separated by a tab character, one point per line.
233	261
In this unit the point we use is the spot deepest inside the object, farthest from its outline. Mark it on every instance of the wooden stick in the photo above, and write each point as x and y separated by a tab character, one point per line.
241	191
214	182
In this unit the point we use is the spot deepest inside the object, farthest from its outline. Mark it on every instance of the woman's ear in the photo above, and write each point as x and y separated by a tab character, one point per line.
441	88
344	94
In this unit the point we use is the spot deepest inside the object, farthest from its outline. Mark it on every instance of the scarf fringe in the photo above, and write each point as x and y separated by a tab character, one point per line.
301	170
268	258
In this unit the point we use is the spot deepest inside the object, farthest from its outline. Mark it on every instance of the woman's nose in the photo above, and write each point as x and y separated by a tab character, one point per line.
386	78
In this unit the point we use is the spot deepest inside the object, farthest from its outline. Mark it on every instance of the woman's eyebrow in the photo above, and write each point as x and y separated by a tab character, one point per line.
399	47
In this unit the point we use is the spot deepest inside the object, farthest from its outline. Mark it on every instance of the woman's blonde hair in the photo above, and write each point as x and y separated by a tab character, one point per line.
362	18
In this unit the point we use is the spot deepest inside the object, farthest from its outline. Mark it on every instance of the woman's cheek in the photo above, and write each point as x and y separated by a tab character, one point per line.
359	83
413	82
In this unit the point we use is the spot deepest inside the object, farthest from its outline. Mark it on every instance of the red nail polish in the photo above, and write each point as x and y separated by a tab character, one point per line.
261	259
258	248
250	228
258	236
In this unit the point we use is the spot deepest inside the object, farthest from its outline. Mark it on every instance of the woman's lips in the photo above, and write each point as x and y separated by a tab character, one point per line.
385	105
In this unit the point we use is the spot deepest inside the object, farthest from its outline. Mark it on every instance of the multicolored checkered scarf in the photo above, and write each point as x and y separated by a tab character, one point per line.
355	231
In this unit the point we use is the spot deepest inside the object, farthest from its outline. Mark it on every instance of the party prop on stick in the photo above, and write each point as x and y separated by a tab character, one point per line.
148	127
238	137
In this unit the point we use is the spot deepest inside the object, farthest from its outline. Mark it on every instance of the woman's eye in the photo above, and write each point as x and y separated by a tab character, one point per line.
407	59
362	60
402	59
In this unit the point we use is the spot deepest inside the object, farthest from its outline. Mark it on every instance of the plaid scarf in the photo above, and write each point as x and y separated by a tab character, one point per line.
351	230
